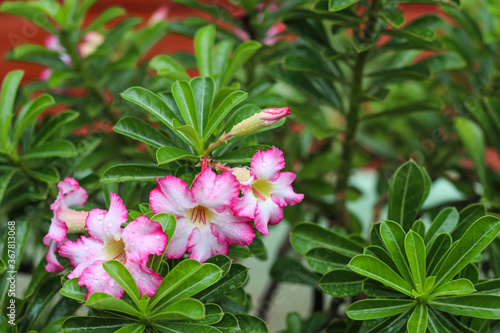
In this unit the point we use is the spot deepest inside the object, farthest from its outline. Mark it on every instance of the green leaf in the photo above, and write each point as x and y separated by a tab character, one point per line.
184	98
221	56
168	223
203	43
437	250
289	270
336	5
382	254
53	124
8	97
489	287
104	17
407	194
33	11
394	17
392	324
441	322
445	222
184	280
4	182
29	113
341	283
167	66
418	320
121	274
377	270
324	260
454	287
132	328
242	155
213	314
394	236
228	324
166	155
104	301
480	306
55	148
152	103
240	56
468	215
235	278
47	174
415	252
142	131
221	261
132	173
447	61
204	93
222	111
378	308
472	243
473	139
306	236
376	289
183	309
71	289
251	324
94	324
172	327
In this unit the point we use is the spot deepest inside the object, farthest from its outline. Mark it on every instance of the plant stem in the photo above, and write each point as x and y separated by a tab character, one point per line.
355	96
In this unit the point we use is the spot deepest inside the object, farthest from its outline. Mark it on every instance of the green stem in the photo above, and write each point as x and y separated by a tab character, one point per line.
352	120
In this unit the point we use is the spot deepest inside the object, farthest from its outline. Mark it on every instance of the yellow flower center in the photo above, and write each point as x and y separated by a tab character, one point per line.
199	215
114	249
262	189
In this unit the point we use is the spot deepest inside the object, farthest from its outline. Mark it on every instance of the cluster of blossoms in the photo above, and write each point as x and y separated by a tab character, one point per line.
212	214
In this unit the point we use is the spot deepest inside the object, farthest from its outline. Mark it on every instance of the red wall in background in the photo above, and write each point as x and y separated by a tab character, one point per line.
15	30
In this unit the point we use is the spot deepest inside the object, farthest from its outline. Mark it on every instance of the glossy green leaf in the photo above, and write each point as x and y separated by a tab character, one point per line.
490	287
166	155
324	260
228	324
376	289
378	308
437	250
341	283
30	10
454	287
382	254
183	309
472	243
132	328
251	324
336	5
419	227
221	261
47	174
394	17
203	43
377	270
393	237
140	130
184	98
291	271
242	155
418	320
222	111
4	182
444	62
213	314
468	215
53	124
152	103
184	280
204	93
480	306
72	290
415	252
473	139
39	300
29	113
133	173
121	274
167	66
94	324
173	327
392	324
445	222
8	96
441	322
407	194
221	56
168	223
104	301
104	17
306	236
240	56
235	278
55	148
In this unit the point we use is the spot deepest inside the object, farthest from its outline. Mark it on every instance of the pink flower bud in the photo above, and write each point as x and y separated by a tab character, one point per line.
259	120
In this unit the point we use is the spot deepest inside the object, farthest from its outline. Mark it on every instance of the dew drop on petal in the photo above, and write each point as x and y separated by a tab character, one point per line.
264	164
117	236
217	183
95	281
157	236
111	283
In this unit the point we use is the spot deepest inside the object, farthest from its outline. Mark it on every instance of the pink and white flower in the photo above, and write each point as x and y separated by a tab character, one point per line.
206	226
65	219
131	245
266	190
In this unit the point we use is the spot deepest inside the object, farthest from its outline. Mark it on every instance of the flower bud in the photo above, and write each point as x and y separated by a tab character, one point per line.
259	120
242	174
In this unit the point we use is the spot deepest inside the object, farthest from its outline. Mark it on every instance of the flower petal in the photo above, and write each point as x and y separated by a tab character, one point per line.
53	264
147	280
283	193
232	232
143	237
82	253
179	243
96	279
267	164
215	191
171	196
267	212
57	232
246	205
70	194
104	225
203	245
